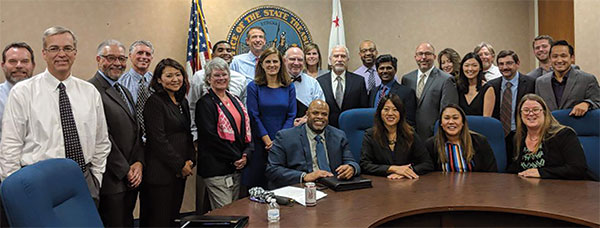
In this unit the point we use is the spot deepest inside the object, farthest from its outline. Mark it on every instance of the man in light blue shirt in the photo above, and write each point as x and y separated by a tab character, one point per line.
308	89
246	63
368	53
17	65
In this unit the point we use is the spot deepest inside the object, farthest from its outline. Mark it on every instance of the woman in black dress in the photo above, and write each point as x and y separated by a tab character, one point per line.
474	97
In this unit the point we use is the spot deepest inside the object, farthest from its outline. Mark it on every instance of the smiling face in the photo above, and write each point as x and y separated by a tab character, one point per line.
508	67
486	57
18	65
317	116
471	68
271	65
312	57
386	72
112	61
58	60
224	51
171	79
339	59
141	57
425	56
451	122
447	65
294	61
390	114
561	58
219	80
256	41
541	48
532	114
368	53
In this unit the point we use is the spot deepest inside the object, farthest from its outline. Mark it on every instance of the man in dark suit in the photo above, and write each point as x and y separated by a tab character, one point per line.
343	90
566	87
434	89
386	66
124	164
299	154
509	90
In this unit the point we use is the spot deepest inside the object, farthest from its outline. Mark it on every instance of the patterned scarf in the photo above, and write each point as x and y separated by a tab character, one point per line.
224	128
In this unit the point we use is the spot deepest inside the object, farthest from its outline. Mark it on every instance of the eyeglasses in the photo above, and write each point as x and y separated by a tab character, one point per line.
112	58
56	49
425	54
535	111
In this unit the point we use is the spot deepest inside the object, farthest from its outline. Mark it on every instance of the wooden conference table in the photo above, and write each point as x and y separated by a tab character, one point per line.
442	199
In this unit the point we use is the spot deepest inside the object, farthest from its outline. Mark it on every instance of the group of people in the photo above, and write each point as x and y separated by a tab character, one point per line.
270	119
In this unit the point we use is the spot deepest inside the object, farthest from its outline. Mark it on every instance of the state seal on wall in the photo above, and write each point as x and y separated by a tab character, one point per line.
283	28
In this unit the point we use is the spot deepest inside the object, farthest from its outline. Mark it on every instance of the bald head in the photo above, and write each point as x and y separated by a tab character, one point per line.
317	115
425	56
294	61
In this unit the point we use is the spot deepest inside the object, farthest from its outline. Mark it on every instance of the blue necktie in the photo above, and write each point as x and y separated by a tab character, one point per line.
321	155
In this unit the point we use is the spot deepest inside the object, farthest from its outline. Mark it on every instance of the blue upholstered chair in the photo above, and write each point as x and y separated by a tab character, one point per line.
354	122
50	193
491	128
587	128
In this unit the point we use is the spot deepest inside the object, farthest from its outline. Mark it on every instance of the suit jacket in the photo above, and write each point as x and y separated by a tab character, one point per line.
406	94
563	155
169	142
376	159
438	92
355	95
580	87
124	134
290	155
526	85
483	159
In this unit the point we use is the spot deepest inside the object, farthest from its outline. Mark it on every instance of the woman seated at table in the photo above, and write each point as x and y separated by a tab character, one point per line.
545	148
474	96
391	146
454	148
224	130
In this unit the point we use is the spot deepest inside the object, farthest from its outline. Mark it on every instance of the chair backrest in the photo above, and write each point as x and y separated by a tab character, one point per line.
491	128
354	122
50	193
587	128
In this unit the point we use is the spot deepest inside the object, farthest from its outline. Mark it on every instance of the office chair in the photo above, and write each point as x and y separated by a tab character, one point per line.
587	128
354	122
50	193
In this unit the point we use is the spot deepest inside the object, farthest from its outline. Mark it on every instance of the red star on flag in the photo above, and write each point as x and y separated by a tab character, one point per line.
336	21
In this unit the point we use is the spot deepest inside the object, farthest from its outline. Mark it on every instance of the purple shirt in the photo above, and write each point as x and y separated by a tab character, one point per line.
362	71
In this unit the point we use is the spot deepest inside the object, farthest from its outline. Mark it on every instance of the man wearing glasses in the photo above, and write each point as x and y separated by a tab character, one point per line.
433	87
124	164
368	52
56	115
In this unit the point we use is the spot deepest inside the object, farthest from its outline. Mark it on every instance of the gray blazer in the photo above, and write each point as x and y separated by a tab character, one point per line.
439	91
580	87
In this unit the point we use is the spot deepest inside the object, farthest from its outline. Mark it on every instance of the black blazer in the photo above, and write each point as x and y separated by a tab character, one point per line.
355	95
124	133
216	155
483	159
168	139
526	85
563	155
406	94
376	159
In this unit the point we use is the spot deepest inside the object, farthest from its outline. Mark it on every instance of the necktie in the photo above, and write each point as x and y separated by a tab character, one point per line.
321	155
371	80
297	78
72	145
339	92
143	95
420	86
381	95
506	108
119	90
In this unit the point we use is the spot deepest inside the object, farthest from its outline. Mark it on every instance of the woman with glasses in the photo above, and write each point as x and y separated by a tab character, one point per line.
391	148
454	148
543	147
474	96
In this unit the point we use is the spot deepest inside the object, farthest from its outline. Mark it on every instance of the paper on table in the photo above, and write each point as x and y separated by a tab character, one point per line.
296	193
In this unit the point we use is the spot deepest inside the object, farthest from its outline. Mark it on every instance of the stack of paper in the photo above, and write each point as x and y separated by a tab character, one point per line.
296	193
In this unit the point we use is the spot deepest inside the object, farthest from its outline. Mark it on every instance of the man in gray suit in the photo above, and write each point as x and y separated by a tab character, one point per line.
566	87
124	164
434	89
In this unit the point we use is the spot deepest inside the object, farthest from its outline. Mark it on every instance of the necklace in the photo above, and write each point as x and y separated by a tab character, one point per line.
392	142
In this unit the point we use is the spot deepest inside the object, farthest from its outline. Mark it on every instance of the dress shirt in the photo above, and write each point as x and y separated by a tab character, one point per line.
378	91
419	75
4	90
492	72
245	64
112	84
237	87
334	82
559	87
515	85
364	72
33	130
131	80
308	90
313	146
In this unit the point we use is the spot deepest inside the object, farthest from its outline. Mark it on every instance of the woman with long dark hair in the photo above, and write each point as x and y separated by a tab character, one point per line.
474	96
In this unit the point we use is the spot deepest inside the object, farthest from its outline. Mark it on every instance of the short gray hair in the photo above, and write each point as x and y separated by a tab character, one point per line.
109	43
337	46
141	42
215	64
56	30
486	45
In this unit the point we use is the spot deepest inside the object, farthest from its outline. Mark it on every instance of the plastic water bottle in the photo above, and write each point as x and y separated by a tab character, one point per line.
273	211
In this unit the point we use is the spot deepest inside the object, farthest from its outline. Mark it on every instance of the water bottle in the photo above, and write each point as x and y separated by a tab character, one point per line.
273	211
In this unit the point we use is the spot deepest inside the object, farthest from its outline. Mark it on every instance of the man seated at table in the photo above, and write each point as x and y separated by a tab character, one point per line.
310	151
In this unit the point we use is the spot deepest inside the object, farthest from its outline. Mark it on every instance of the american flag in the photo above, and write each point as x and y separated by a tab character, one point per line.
198	48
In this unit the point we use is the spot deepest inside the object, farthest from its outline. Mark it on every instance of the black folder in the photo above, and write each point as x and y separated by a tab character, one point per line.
214	221
343	185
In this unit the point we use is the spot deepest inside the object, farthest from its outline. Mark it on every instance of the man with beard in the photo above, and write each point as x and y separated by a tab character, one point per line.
386	68
124	164
566	87
299	154
486	53
307	88
17	65
246	63
368	52
343	90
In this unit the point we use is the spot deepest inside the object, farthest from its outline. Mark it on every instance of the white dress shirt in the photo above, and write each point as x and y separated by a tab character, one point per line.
334	82
421	74
492	72
4	90
32	126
